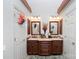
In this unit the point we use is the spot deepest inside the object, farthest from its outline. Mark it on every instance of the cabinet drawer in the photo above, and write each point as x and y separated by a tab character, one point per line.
57	42
44	47
44	52
45	42
32	42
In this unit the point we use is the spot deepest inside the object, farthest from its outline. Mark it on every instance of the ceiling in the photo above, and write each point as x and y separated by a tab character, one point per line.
44	7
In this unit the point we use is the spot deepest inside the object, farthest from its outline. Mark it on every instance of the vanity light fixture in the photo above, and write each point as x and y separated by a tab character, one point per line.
39	17
35	18
50	17
31	17
54	17
58	17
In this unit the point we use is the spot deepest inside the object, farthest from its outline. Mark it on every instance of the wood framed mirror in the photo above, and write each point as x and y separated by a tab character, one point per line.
54	27
35	28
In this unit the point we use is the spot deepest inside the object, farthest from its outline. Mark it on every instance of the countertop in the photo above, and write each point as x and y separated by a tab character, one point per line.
45	39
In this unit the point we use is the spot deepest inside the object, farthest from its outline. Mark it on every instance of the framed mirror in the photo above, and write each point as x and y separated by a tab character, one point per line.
53	27
35	28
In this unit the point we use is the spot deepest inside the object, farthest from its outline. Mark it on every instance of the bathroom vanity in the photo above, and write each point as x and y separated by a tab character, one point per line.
44	46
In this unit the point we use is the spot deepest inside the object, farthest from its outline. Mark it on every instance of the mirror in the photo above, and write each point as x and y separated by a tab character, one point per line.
35	28
53	27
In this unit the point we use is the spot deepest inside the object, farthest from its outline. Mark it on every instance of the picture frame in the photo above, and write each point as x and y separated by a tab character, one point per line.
54	27
35	28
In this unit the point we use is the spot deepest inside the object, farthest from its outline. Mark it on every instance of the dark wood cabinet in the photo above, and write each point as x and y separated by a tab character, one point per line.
57	47
35	47
32	47
44	47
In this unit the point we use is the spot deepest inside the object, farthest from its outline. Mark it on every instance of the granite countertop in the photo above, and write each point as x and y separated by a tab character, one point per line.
45	39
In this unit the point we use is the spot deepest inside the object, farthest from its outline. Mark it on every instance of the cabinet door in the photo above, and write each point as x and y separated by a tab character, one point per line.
32	47
57	47
44	47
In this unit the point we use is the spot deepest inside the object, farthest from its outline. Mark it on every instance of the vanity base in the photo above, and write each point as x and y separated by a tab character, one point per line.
45	48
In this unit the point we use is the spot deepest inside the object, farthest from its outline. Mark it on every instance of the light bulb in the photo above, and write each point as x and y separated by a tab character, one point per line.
50	17
58	17
39	18
31	17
